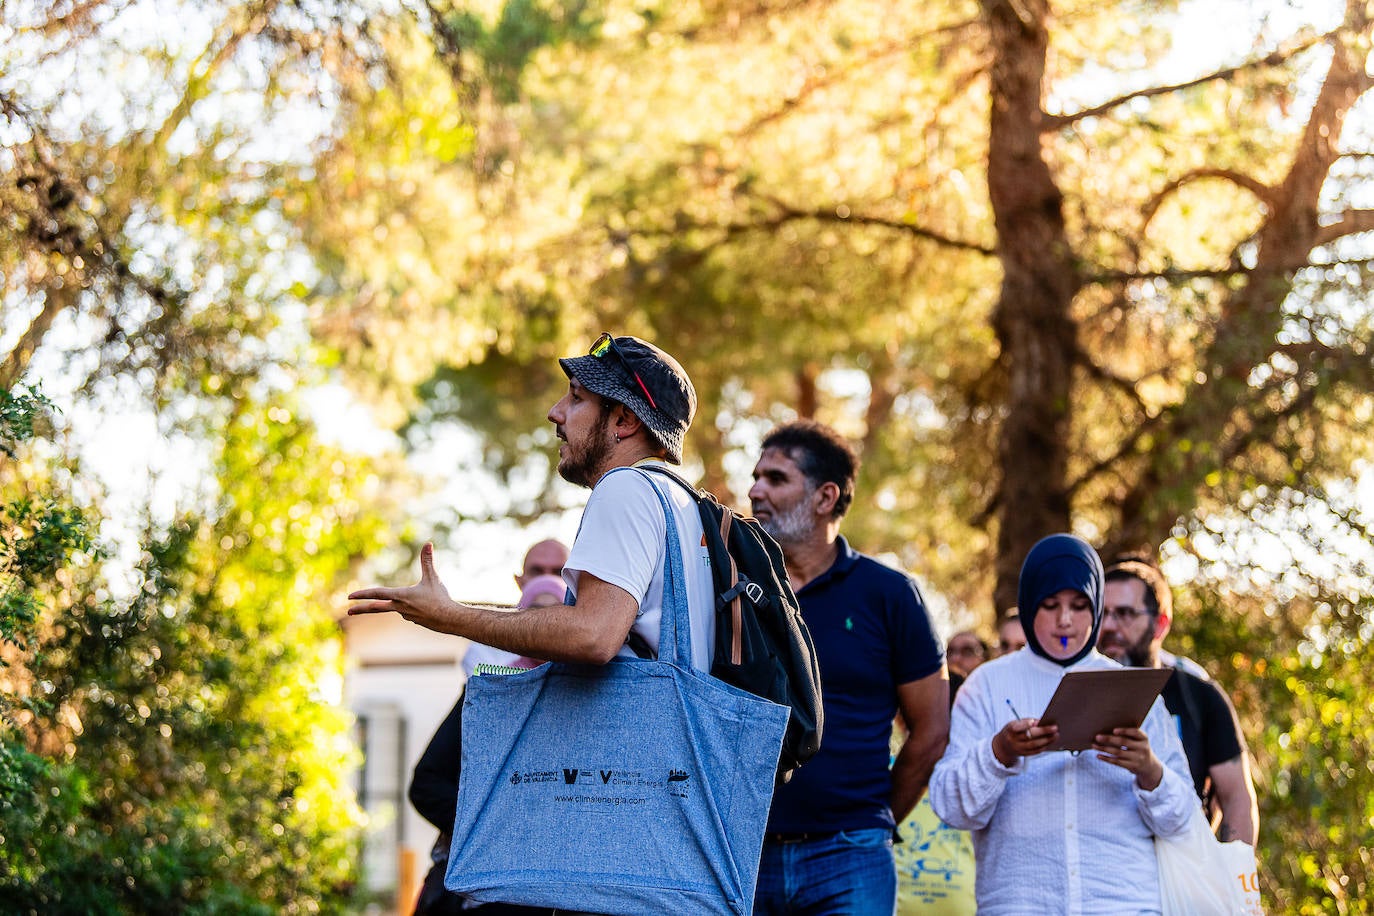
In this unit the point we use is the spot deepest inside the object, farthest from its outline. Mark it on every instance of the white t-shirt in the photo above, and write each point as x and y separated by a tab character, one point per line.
622	540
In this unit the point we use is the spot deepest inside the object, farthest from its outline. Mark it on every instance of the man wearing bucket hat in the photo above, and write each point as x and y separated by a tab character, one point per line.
627	403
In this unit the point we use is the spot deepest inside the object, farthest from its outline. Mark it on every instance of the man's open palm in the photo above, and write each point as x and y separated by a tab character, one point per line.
426	603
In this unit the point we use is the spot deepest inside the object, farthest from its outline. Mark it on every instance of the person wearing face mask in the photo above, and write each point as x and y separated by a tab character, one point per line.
1057	832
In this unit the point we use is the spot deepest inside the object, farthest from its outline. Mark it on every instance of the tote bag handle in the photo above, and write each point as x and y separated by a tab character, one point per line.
675	618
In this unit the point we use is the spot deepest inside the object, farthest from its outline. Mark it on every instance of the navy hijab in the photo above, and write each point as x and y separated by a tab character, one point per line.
1058	562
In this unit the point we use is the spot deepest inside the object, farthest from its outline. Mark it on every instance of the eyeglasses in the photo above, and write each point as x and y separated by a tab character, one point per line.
1124	614
606	344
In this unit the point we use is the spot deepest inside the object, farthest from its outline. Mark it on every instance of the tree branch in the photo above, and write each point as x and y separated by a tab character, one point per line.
816	83
1258	188
1234	439
788	213
832	77
1107	277
56	299
223	45
1112	380
1103	465
1272	59
1350	223
1128	388
1305	352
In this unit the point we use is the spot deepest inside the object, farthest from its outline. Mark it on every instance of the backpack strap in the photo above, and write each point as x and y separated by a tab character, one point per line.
1187	690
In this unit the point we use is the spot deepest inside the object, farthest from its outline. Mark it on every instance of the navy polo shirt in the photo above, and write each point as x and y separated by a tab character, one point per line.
872	633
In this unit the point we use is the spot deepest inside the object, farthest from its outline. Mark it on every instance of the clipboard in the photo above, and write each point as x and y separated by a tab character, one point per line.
1089	703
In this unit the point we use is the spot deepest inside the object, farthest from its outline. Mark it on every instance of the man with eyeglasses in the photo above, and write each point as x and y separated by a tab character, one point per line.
1136	618
964	652
628	403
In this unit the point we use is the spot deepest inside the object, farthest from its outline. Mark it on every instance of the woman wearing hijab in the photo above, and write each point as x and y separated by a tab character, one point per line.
1056	832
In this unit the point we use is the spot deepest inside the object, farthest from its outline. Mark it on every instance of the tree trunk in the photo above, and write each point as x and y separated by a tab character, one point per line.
1040	279
808	398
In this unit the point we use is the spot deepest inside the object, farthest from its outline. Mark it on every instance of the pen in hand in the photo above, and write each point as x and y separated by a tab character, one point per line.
1015	713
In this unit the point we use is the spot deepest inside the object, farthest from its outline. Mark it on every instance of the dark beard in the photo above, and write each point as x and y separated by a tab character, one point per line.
1138	653
583	465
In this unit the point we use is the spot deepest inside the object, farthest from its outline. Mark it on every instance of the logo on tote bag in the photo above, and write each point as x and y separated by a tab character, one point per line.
677	783
517	777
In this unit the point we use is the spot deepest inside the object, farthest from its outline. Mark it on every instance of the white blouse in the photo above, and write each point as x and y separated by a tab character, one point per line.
1057	832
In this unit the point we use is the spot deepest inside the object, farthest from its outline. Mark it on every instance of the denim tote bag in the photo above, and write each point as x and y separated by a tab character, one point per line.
636	787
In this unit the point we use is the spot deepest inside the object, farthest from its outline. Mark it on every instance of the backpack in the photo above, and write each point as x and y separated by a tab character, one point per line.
762	643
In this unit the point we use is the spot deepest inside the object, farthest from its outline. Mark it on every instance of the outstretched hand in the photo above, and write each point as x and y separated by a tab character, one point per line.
426	603
1129	748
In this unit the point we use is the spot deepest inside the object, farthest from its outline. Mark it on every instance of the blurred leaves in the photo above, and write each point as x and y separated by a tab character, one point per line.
1299	673
181	747
431	201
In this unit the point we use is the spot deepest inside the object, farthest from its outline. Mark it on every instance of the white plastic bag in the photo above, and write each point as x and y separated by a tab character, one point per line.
1201	876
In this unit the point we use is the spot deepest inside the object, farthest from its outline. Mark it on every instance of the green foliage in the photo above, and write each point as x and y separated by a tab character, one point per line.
1300	672
36	537
190	754
794	199
1318	740
39	531
522	28
19	412
1292	640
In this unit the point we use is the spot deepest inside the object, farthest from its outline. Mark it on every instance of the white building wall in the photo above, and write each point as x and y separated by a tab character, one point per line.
400	682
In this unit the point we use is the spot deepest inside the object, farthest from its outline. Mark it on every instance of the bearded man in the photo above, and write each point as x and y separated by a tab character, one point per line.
628	403
1138	613
828	849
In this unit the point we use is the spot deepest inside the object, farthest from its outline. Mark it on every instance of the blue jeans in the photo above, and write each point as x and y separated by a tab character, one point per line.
850	873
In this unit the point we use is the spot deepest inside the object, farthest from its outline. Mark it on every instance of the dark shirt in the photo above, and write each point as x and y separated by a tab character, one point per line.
1206	722
872	634
434	783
